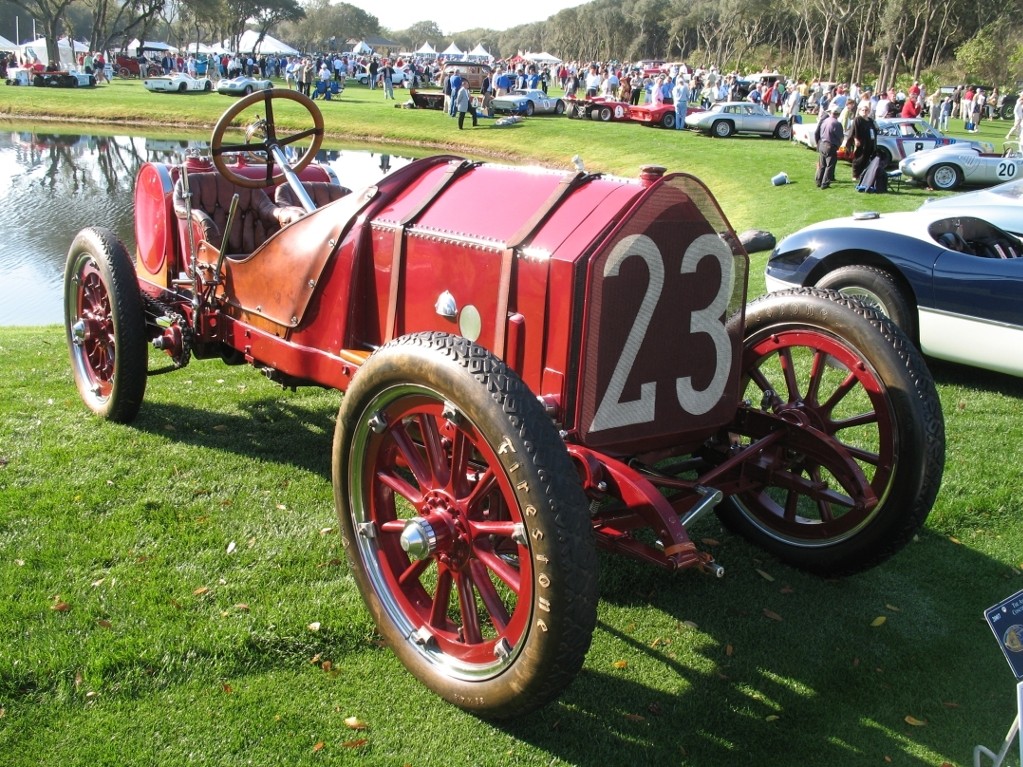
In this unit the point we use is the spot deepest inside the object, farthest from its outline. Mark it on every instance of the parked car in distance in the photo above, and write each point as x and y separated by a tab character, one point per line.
243	85
528	101
727	118
658	115
956	165
178	82
472	71
897	139
399	76
130	66
950	279
596	108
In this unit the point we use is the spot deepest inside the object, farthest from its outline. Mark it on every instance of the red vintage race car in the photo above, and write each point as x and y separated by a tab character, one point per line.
524	383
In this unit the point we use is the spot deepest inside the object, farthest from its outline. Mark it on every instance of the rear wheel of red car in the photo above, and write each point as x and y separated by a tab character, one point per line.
105	325
124	72
855	481
944	176
605	114
722	129
465	524
668	120
878	290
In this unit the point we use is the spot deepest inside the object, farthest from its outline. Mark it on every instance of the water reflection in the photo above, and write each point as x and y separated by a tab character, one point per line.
61	183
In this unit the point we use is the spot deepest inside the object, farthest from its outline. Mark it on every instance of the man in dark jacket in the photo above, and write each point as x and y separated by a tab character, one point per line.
829	134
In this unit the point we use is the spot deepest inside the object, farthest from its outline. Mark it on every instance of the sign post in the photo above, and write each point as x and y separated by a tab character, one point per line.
1006	622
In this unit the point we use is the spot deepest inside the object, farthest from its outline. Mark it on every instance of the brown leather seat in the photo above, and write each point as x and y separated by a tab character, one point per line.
256	218
321	193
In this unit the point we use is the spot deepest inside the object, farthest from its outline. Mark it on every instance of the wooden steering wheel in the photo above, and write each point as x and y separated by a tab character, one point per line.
261	139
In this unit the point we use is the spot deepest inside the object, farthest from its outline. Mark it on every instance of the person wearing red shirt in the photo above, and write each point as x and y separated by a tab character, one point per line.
911	108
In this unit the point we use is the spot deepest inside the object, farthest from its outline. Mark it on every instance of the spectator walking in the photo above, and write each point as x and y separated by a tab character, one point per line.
828	136
463	104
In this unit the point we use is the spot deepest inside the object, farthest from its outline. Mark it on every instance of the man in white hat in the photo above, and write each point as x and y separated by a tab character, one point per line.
829	135
680	96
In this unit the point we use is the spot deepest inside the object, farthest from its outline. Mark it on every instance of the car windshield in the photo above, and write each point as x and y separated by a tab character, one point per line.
1012	190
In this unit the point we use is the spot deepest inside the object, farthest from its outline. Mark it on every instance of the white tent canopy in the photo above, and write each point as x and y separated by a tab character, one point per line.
542	58
67	53
7	45
361	49
452	50
198	48
247	44
150	45
426	50
479	52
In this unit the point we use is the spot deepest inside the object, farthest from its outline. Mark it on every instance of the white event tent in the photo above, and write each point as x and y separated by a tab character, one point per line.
426	50
479	53
542	58
7	45
268	45
452	51
149	45
67	51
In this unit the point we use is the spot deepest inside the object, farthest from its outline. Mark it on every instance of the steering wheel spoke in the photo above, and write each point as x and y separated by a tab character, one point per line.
269	148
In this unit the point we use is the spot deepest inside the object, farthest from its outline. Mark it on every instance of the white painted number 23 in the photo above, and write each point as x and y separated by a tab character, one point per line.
612	411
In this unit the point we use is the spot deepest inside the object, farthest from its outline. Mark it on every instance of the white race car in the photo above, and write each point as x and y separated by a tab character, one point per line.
950	167
178	82
898	138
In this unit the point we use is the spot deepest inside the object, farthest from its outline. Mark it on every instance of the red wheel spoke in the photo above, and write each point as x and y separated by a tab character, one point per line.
857	420
439	611
485	485
471	633
789	371
508	574
461	450
758	377
410	452
400	485
839	394
817	368
488	594
862	454
414	572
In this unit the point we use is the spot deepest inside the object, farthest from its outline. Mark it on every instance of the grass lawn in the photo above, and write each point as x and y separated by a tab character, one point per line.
173	591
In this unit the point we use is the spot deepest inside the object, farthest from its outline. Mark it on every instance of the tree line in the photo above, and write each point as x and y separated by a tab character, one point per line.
874	42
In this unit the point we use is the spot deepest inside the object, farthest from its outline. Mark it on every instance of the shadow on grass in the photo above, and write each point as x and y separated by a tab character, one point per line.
791	670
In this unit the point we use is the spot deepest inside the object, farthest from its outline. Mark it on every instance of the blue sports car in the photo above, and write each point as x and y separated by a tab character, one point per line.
950	279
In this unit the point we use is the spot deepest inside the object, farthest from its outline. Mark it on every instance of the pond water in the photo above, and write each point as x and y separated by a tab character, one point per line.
59	183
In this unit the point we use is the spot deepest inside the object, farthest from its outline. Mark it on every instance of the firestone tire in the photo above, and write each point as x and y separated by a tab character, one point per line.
465	525
105	325
849	375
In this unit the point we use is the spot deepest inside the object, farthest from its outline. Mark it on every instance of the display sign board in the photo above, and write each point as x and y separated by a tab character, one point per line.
1006	621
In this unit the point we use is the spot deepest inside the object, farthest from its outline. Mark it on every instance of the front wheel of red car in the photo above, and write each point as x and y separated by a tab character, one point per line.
856	479
105	325
465	525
